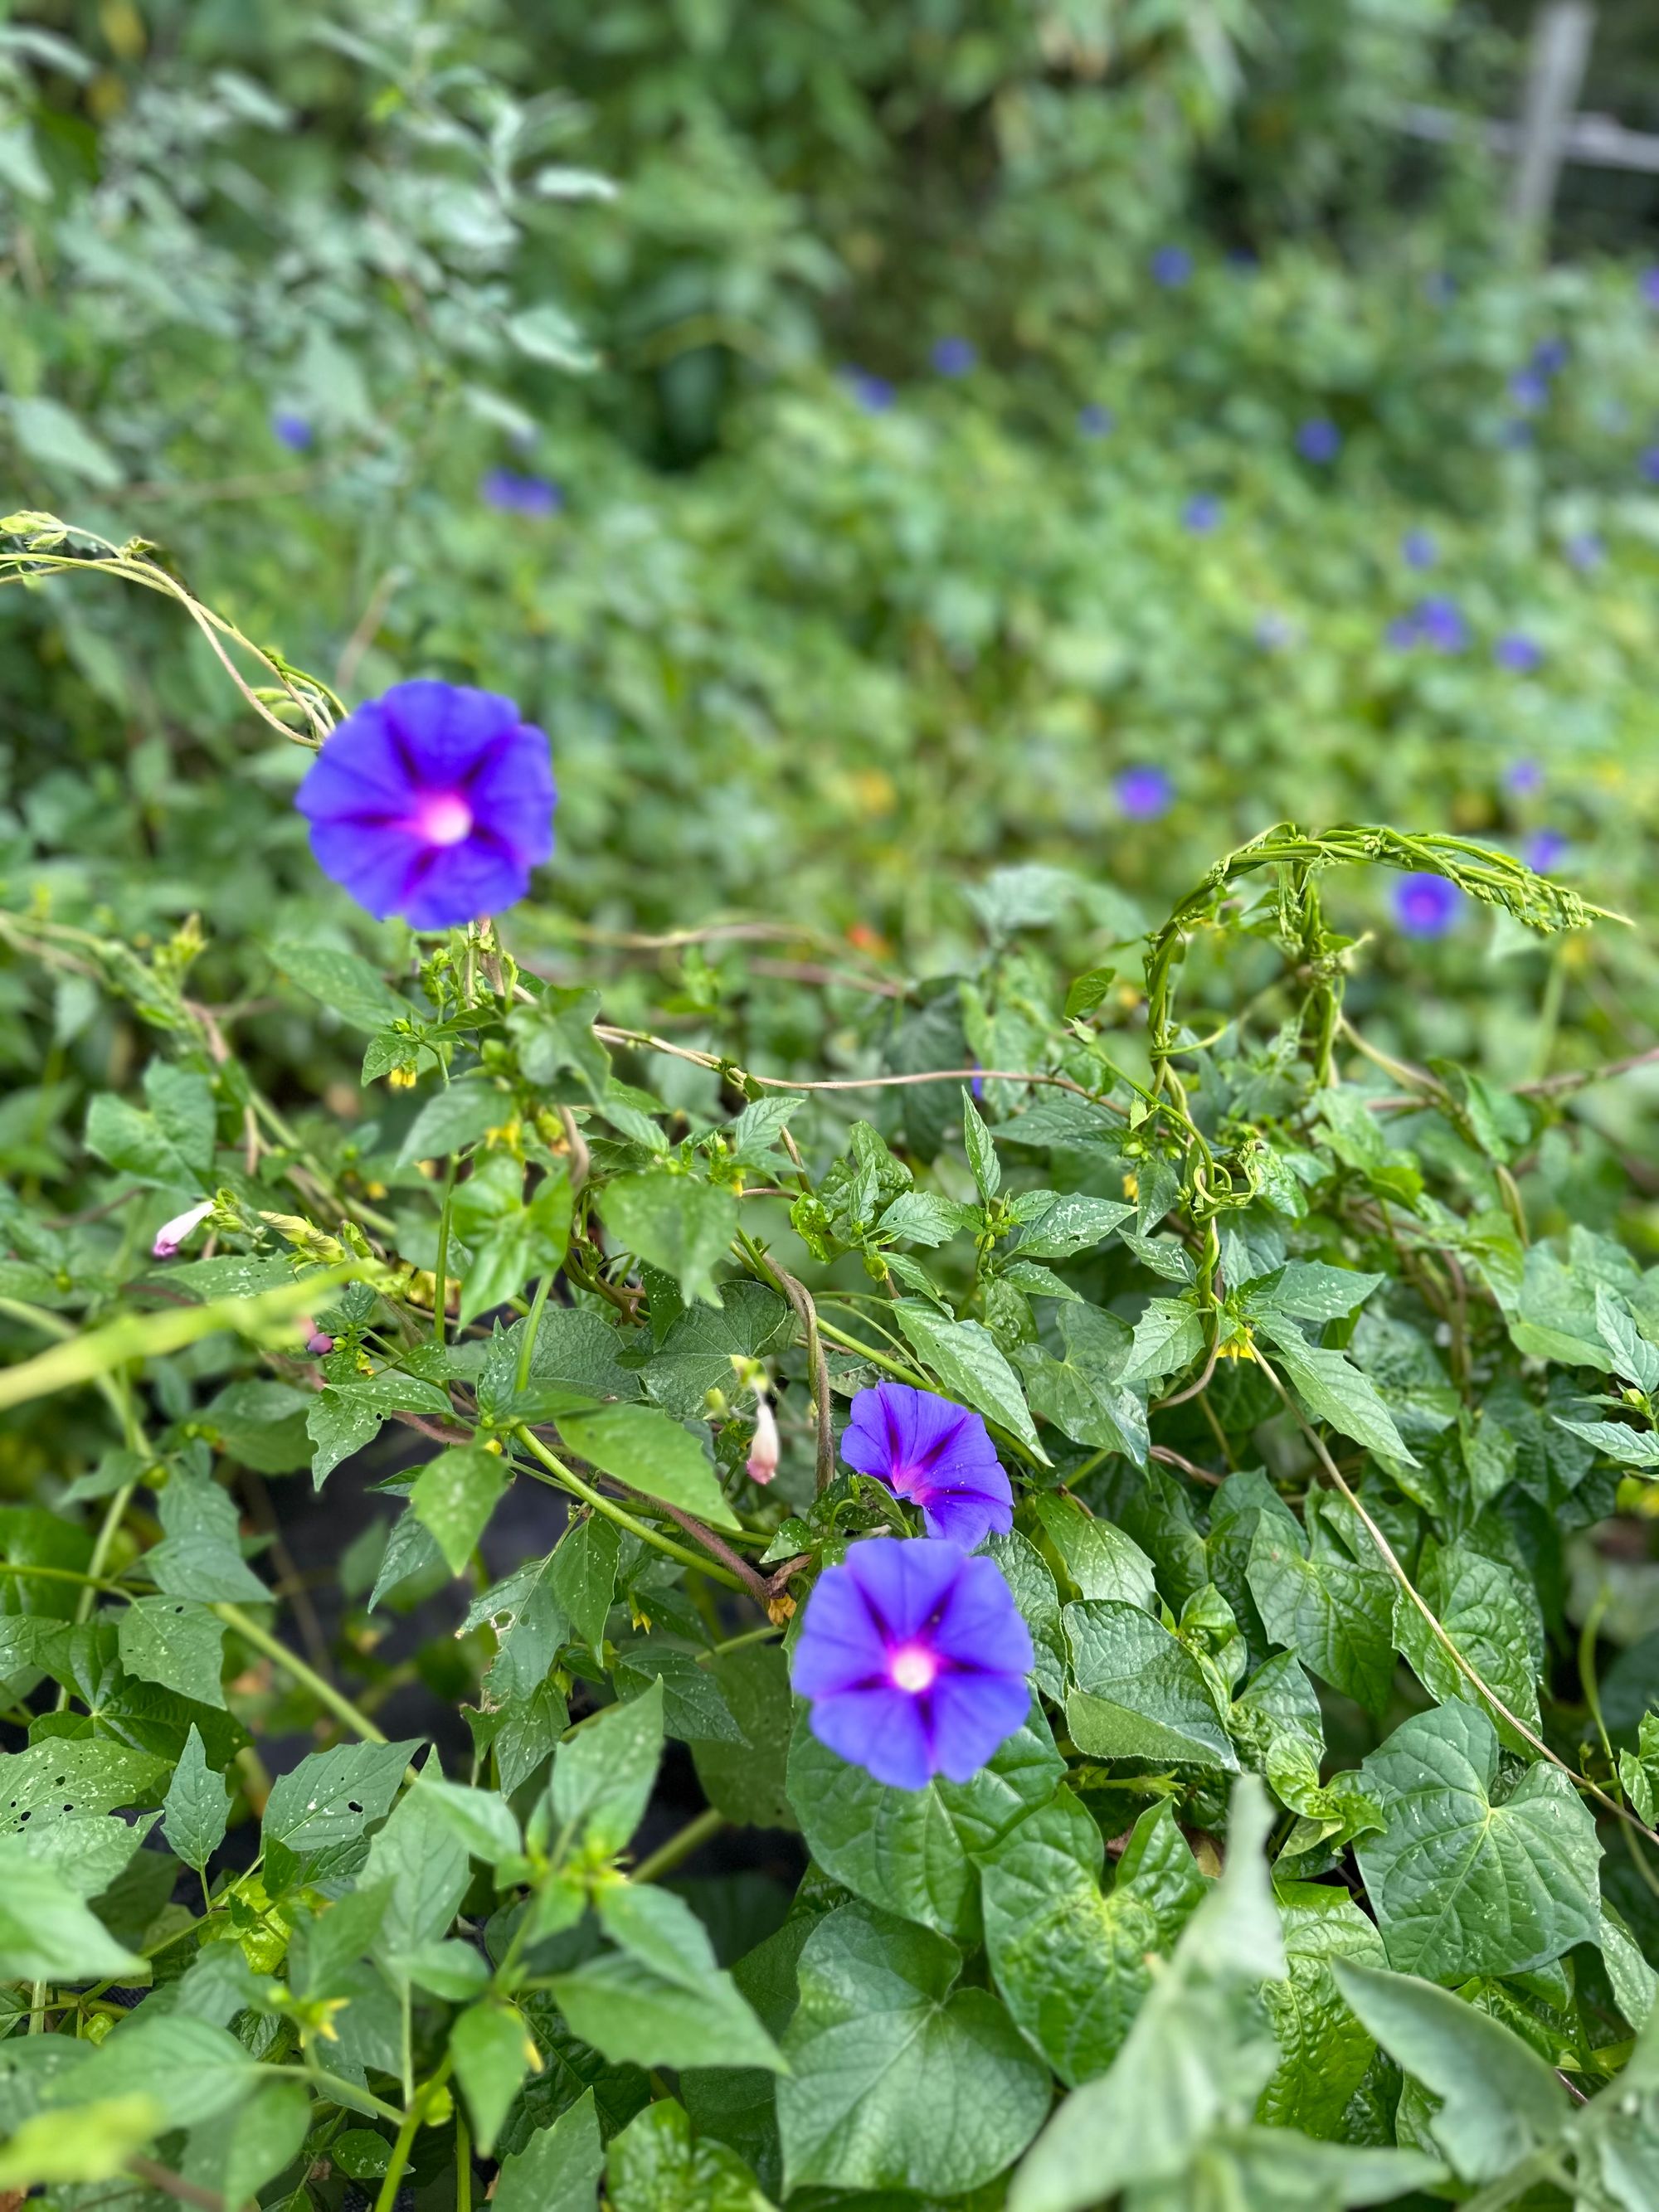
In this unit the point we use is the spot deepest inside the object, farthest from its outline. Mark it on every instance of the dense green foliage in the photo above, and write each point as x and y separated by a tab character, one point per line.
1303	1271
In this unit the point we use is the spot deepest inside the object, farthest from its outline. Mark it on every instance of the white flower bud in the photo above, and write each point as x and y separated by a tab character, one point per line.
171	1233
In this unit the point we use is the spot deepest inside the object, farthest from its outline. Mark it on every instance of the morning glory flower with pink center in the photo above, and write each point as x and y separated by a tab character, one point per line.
913	1659
1318	440
955	357
1425	905
1543	849
1144	794
1521	654
291	429
934	1455
433	802
171	1233
1201	513
1172	267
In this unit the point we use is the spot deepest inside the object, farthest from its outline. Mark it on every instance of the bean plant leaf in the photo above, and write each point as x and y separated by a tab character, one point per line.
897	2079
1462	1882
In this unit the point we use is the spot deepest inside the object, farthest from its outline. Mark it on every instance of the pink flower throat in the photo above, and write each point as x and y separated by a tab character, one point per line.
444	819
913	1668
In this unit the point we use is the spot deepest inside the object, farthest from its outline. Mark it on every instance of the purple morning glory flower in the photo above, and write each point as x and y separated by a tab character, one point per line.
1318	439
1543	849
514	494
1440	623
433	802
1201	513
955	357
1144	794
1425	905
1649	464
1651	287
914	1660
1418	550
1172	267
1095	421
873	394
1551	355
1585	549
936	1455
1523	777
1529	389
291	429
1521	654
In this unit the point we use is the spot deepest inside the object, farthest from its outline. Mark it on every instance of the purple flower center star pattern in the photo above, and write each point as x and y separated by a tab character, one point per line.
933	1454
913	1659
433	803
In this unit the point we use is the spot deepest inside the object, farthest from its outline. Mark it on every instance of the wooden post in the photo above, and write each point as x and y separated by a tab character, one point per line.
1555	71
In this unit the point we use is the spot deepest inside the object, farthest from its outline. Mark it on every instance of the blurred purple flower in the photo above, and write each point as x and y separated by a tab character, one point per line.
1649	285
1551	355
1543	849
1318	439
292	429
1529	389
913	1659
875	394
1172	267
1521	654
1095	421
1523	777
1649	464
1437	623
1440	623
934	1455
1418	550
433	802
1425	905
1585	549
1201	513
1144	794
955	357
512	493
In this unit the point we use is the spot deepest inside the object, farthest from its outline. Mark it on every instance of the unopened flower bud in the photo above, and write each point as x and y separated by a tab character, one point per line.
317	1341
764	1445
171	1233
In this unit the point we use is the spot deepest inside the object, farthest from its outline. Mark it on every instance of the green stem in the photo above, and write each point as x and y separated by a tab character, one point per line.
760	1635
463	2163
333	2091
678	1848
441	1272
564	1479
325	1692
410	2125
